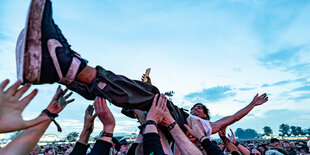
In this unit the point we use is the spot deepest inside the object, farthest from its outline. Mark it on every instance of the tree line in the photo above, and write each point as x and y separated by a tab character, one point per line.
284	130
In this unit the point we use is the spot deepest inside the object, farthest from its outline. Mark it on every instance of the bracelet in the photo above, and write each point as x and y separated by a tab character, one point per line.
201	138
224	138
104	134
52	116
171	126
148	122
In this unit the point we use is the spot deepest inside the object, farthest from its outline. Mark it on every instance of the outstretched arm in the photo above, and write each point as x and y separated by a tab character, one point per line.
81	146
257	100
28	139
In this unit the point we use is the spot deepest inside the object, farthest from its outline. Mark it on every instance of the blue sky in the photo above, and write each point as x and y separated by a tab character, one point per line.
220	53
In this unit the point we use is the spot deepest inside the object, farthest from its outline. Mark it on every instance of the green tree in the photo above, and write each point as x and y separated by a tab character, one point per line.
267	131
72	136
246	134
294	130
250	134
239	133
284	130
299	130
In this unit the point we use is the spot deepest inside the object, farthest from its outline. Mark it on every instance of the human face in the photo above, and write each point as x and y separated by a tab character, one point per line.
50	152
198	111
255	152
262	149
123	148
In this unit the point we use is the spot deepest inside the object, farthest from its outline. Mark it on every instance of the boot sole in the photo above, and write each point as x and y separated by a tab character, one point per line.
28	47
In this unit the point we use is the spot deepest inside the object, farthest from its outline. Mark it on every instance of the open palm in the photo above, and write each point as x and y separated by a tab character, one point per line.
11	107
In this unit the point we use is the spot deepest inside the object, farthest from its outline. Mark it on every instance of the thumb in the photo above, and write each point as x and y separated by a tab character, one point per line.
94	116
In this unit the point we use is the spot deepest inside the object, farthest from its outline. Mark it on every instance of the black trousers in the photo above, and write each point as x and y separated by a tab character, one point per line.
125	93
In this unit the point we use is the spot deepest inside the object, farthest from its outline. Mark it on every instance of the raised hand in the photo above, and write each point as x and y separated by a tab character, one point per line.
193	128
88	125
156	112
59	101
11	107
145	78
89	119
259	100
232	137
104	114
222	132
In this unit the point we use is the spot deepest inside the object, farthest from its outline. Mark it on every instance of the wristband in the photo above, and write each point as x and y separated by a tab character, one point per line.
171	126
201	138
148	122
52	116
224	138
104	134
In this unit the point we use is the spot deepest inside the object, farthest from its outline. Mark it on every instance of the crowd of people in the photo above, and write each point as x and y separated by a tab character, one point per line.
44	56
151	139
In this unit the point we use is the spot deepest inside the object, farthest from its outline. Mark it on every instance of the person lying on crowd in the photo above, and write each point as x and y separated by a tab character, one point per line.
81	146
104	143
12	107
159	114
61	64
27	140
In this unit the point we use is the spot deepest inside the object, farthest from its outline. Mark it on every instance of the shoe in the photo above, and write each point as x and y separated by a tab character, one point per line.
43	54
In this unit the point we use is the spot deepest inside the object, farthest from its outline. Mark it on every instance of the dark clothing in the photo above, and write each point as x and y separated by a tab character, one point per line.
79	149
211	148
101	147
126	93
132	149
151	144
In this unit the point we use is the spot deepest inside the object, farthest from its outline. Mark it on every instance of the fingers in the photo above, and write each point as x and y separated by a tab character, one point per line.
65	91
69	101
99	104
25	101
160	100
96	104
231	131
195	123
155	100
4	84
103	102
11	90
20	92
164	102
58	93
187	127
67	96
93	117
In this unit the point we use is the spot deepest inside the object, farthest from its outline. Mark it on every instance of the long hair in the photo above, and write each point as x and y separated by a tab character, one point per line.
205	110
